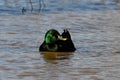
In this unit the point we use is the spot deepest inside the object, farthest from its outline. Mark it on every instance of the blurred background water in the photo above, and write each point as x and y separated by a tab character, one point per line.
15	6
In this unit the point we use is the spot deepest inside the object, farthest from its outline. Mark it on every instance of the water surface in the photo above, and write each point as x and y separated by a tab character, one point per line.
96	36
16	6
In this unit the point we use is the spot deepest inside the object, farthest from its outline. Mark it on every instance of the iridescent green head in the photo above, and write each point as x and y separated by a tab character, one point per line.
51	36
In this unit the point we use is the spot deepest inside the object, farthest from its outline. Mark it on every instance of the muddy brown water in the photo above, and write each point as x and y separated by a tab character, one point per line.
95	34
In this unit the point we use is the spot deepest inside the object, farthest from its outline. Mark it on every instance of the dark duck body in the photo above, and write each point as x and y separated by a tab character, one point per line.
54	42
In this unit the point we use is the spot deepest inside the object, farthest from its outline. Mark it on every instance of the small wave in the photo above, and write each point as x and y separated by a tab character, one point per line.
15	7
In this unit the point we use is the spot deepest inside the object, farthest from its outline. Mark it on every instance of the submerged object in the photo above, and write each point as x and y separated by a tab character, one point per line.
54	42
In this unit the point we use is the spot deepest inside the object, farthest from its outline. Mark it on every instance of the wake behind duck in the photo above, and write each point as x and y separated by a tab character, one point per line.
54	42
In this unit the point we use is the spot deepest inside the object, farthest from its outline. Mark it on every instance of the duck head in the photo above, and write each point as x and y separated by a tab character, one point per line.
52	36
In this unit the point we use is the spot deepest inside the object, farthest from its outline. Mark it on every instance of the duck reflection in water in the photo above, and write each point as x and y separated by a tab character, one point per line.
54	42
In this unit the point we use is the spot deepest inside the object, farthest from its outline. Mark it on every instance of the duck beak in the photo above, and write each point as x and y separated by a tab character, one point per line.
61	38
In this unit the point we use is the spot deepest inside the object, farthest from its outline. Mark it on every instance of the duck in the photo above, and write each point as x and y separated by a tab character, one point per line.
56	42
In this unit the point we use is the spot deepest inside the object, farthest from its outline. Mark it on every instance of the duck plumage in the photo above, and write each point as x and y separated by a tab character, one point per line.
54	42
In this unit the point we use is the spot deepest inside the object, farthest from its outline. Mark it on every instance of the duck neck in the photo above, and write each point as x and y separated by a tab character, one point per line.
52	47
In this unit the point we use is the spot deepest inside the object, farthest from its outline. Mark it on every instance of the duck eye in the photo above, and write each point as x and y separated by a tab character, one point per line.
56	36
